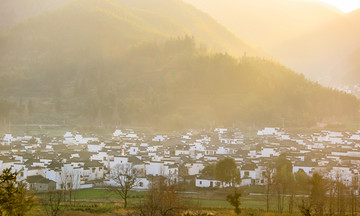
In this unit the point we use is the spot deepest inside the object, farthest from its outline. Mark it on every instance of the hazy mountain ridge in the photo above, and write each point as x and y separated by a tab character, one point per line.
178	19
349	67
317	53
14	11
310	37
268	23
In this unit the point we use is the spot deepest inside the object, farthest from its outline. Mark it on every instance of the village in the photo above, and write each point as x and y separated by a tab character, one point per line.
83	162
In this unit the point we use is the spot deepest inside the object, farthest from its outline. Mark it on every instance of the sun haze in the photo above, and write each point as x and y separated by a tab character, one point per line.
344	5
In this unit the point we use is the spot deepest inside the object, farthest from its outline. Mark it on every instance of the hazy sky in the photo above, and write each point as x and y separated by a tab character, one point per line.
344	5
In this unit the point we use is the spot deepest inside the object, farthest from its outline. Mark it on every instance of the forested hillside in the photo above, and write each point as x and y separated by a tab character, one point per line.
129	62
174	84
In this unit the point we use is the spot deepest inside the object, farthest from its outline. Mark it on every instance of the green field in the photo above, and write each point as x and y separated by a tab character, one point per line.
102	201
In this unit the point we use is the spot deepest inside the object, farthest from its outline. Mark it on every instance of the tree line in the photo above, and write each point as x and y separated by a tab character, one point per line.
318	194
293	193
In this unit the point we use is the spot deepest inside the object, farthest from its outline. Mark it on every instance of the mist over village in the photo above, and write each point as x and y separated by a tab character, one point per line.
179	107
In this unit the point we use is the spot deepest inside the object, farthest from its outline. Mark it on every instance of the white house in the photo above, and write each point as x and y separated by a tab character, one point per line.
207	183
268	131
8	138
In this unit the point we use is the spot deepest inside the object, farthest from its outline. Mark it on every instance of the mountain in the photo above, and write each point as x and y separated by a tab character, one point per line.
175	85
318	52
349	68
111	62
267	23
14	11
178	19
308	36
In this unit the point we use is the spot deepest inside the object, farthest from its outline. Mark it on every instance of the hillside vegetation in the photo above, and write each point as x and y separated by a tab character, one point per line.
119	62
175	84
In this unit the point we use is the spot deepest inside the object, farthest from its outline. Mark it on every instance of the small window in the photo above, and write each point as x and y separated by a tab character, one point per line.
200	182
141	184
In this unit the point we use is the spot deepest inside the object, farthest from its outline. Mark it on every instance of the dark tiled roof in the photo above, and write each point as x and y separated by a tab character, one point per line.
38	179
135	161
249	166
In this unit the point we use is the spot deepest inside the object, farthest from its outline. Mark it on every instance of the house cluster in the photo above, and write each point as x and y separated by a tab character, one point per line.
73	161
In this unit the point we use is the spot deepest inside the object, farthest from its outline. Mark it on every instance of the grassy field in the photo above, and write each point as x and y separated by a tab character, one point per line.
102	201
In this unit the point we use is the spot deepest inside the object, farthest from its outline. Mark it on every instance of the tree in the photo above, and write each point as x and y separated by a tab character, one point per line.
353	192
227	171
52	201
70	179
340	191
332	194
14	197
234	200
305	208
283	180
125	176
161	200
209	170
318	193
302	180
269	172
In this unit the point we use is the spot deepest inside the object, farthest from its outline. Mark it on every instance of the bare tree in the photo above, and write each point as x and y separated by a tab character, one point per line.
353	191
70	180
332	193
161	200
305	207
340	190
52	202
126	177
318	193
268	175
283	179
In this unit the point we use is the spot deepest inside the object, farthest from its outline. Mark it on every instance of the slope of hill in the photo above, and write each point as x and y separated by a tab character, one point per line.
318	52
108	61
311	38
14	11
198	23
267	23
349	68
174	85
178	19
